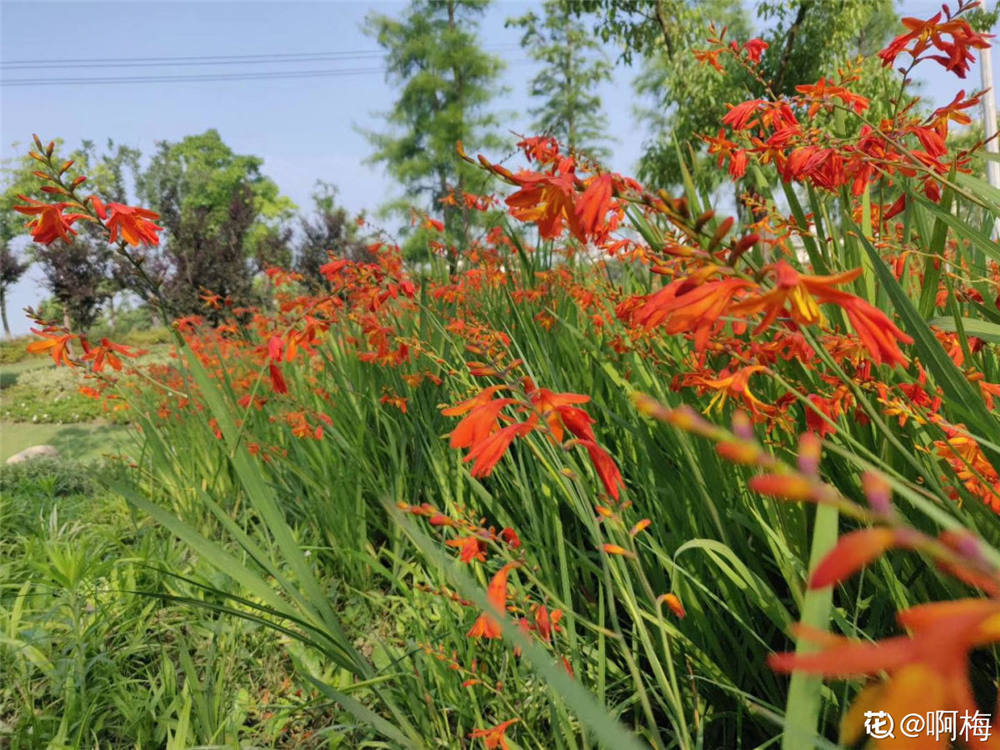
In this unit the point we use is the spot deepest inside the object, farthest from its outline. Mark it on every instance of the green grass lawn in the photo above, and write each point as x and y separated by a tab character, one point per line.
83	441
13	372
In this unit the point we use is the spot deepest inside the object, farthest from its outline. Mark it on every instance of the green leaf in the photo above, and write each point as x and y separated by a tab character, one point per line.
972	327
960	394
802	711
589	711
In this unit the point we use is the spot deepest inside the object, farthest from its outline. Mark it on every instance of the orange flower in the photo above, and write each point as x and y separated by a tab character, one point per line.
486	626
551	407
803	295
491	448
594	204
494	738
614	549
824	89
55	344
546	623
731	385
971	467
792	487
879	335
106	351
854	551
790	288
690	304
640	526
927	669
133	224
673	603
547	200
472	548
49	223
481	420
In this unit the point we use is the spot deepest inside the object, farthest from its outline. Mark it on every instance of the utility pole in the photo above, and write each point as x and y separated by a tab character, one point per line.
989	112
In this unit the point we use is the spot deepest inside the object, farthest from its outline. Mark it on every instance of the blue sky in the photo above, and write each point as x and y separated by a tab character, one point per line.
304	128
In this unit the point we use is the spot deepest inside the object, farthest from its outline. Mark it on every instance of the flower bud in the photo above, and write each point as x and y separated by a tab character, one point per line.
810	448
878	492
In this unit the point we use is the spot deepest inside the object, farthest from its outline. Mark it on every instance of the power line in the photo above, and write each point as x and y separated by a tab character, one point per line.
333	72
185	60
187	63
205	77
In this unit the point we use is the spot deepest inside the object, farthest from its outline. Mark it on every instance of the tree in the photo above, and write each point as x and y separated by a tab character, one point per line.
207	252
17	179
11	270
574	65
329	231
220	215
76	273
446	85
807	39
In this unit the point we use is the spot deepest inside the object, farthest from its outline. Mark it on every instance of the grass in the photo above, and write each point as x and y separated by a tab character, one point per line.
98	647
33	389
79	442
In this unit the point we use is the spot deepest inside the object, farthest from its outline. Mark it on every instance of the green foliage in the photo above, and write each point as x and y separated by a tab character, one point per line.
807	39
219	212
94	652
574	65
46	394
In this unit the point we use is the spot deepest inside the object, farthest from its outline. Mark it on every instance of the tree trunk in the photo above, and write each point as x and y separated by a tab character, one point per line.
3	311
111	311
459	74
786	54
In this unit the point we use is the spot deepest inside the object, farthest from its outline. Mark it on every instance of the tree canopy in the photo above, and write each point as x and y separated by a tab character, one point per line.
574	65
446	85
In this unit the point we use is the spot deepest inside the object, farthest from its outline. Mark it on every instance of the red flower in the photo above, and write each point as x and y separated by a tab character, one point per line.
49	223
277	379
494	738
931	33
486	626
471	548
510	537
489	450
133	224
738	117
606	468
55	344
755	49
108	350
548	201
